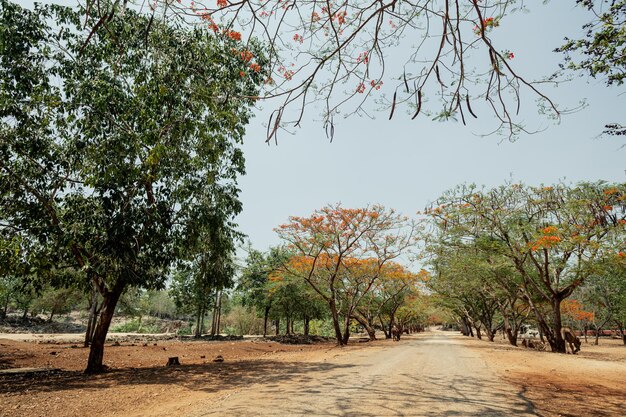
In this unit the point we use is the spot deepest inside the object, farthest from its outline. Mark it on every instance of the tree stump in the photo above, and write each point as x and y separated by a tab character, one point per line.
173	361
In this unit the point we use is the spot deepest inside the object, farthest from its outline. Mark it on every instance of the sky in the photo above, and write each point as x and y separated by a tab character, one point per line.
405	164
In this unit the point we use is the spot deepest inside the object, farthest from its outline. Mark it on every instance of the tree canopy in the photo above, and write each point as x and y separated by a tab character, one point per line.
115	153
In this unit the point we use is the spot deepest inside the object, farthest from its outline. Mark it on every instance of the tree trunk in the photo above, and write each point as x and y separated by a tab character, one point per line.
5	307
508	330
555	339
277	321
202	320
306	325
197	331
265	318
491	335
346	331
371	331
51	315
336	326
215	324
478	335
96	352
287	329
382	324
219	312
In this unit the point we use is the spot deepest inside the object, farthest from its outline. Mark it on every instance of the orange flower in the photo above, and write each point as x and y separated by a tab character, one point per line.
222	3
549	230
246	56
255	67
234	35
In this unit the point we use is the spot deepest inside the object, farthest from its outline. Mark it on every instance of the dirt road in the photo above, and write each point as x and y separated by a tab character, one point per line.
432	375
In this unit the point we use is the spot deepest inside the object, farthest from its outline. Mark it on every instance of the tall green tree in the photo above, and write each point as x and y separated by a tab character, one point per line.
117	142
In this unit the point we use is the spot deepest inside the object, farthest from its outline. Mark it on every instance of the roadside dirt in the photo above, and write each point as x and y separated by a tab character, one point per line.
591	383
139	383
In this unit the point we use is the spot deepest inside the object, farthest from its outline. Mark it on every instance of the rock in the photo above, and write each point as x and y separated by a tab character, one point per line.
218	358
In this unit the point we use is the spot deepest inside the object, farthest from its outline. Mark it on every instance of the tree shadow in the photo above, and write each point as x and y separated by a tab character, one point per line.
209	377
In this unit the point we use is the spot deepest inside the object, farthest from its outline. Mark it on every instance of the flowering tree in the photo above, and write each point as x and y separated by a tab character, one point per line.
552	236
439	58
395	284
342	252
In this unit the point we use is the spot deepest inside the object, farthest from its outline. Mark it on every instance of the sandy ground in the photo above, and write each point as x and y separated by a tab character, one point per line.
591	383
430	374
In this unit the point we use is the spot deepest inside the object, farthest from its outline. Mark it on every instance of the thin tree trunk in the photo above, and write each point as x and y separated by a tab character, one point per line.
382	324
219	311
478	335
197	332
306	325
202	320
277	321
265	319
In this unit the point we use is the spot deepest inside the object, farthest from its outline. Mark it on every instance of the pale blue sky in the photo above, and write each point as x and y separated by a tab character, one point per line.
406	164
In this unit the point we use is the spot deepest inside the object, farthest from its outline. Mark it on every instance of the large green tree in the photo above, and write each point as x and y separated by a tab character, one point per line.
117	142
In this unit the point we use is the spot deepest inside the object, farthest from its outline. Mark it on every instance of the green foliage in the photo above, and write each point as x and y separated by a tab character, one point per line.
604	45
53	301
602	52
139	325
537	243
121	153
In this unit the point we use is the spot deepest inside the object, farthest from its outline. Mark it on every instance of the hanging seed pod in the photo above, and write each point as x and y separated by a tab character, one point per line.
393	105
467	100
419	104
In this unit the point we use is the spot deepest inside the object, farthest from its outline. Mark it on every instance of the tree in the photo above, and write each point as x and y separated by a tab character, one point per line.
56	301
255	282
108	165
553	236
604	295
206	267
341	253
431	57
388	294
603	48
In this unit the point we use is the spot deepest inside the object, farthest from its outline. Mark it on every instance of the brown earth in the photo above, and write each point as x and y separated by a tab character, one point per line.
590	383
433	373
138	381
